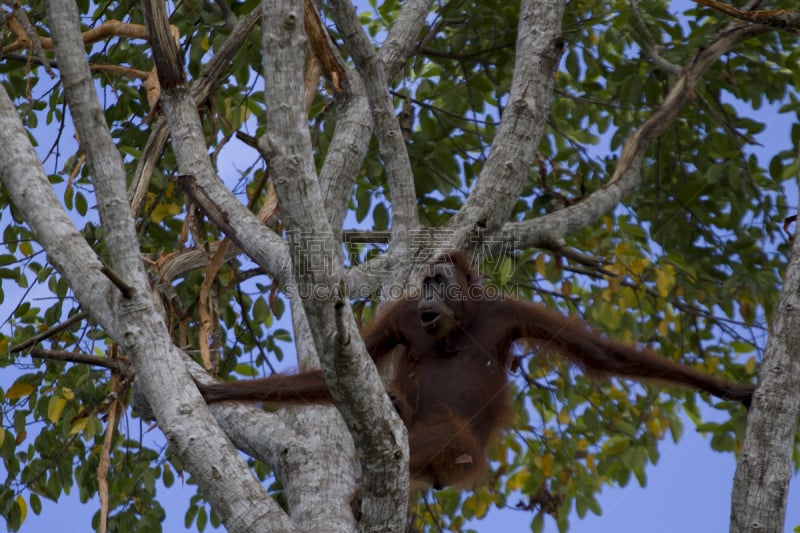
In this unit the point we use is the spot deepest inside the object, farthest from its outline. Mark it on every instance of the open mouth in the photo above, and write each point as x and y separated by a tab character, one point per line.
429	319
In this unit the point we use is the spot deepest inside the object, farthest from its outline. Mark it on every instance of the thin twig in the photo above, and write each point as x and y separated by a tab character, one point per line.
121	364
126	290
50	332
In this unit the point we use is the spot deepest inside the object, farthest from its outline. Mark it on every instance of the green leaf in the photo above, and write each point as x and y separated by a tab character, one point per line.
80	204
35	503
246	370
381	217
615	445
261	312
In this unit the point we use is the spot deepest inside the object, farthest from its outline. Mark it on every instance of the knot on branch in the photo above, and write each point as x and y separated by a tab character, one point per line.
290	22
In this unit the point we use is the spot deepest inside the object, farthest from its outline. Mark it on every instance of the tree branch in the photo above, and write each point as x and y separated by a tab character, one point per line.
548	231
649	44
288	140
165	49
269	252
136	323
356	388
110	28
201	89
357	236
347	149
782	19
354	122
243	227
77	317
538	52
121	365
384	454
126	290
25	182
387	128
104	160
764	467
19	23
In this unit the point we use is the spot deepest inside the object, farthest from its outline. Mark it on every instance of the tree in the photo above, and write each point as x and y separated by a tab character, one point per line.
597	156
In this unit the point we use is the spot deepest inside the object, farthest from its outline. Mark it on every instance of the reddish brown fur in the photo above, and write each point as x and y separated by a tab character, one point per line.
450	380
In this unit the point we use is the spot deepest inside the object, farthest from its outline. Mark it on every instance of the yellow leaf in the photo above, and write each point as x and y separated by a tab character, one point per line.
517	481
665	279
477	505
79	425
591	463
205	43
746	310
623	249
27	250
23	508
654	425
620	301
617	394
750	365
638	265
612	317
541	264
2	436
164	210
244	113
20	389
563	416
566	288
629	298
67	393
615	269
54	408
547	464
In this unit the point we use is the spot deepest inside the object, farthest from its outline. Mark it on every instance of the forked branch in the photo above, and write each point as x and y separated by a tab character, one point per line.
549	230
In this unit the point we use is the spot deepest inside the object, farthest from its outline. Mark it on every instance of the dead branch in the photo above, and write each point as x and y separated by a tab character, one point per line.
783	19
110	28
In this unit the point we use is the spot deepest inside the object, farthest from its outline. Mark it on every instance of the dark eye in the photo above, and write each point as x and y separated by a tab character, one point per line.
433	281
